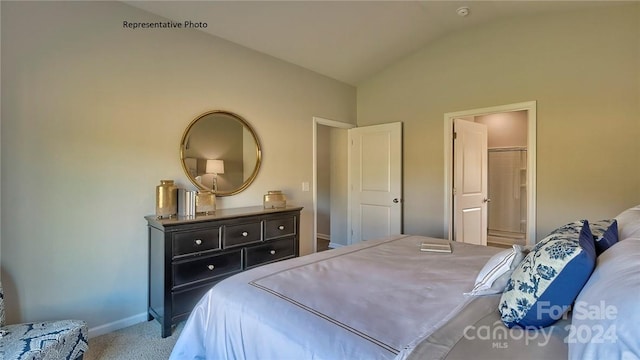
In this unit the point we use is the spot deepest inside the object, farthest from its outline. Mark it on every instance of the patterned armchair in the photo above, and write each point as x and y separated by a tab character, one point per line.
49	340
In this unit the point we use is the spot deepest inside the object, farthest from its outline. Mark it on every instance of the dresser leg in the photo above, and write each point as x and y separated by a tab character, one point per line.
166	330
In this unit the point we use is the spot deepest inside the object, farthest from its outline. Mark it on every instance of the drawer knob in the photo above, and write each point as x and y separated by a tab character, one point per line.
272	252
198	241
211	267
281	227
244	233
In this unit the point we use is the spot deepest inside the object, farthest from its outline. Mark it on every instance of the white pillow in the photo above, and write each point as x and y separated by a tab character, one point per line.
629	223
606	314
495	274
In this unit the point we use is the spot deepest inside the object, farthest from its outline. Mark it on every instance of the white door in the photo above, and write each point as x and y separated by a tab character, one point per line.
375	177
470	182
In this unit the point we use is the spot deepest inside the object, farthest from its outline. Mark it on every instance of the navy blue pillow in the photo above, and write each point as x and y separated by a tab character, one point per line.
605	234
549	278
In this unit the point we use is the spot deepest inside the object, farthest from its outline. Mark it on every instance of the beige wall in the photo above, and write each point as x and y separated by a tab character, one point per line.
580	67
92	117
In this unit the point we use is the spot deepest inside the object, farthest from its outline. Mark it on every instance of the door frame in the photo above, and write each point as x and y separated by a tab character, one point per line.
530	107
335	124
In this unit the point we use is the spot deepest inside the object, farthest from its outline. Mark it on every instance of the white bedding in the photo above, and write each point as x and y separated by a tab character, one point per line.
375	300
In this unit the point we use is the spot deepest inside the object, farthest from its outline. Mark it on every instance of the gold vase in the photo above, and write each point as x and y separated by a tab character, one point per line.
166	199
274	199
205	202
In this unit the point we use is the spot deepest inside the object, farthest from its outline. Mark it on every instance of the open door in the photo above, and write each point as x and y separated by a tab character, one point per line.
529	170
375	177
470	182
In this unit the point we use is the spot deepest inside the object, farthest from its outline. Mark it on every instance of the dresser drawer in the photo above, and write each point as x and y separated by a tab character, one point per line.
201	268
241	234
280	227
186	242
184	301
270	251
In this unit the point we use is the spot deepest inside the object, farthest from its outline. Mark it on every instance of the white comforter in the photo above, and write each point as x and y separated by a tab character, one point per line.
375	300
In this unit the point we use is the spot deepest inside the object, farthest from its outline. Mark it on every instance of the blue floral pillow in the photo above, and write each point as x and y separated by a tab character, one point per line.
549	278
605	234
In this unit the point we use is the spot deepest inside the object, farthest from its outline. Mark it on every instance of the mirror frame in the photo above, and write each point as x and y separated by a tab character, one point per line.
245	125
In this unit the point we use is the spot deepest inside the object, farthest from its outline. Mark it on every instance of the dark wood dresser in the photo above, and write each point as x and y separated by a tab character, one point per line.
187	256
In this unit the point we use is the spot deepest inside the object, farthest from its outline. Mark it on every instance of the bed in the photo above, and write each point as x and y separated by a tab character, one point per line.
386	299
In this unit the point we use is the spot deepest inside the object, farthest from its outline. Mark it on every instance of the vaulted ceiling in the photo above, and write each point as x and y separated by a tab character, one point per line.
345	40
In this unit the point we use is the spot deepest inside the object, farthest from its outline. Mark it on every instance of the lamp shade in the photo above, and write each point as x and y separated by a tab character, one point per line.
215	167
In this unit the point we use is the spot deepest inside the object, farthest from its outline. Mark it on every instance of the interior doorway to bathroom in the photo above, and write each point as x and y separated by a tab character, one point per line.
507	177
510	200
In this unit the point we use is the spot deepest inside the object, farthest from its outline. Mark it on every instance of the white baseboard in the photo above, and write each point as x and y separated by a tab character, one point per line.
117	325
327	237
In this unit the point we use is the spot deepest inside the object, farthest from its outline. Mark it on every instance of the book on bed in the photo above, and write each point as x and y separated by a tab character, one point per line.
436	247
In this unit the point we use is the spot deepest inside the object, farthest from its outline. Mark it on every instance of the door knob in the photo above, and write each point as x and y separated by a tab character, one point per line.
396	200
486	200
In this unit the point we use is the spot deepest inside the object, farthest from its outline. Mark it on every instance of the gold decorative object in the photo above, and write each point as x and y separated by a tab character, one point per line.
274	199
205	202
166	199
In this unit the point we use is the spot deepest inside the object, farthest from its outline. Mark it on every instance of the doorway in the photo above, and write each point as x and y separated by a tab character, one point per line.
511	172
349	164
330	183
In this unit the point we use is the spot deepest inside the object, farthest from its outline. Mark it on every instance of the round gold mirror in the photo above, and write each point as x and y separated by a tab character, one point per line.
220	152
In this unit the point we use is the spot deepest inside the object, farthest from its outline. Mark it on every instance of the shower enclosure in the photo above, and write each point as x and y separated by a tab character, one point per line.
507	217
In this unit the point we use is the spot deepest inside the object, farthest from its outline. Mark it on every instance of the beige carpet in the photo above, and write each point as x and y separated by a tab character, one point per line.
141	342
